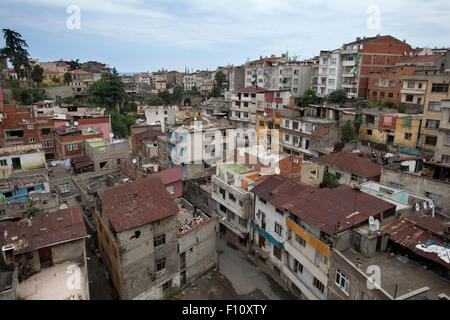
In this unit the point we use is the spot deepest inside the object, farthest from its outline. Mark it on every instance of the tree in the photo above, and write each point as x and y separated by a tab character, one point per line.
67	78
308	97
220	78
348	133
165	96
401	108
36	74
155	101
108	92
337	96
331	180
74	64
177	94
16	53
55	79
215	92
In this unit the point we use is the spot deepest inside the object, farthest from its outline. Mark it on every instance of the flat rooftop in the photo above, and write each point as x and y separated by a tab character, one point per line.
407	274
237	167
55	283
186	220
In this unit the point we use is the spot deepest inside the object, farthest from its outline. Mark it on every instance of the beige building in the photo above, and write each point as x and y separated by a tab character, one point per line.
442	151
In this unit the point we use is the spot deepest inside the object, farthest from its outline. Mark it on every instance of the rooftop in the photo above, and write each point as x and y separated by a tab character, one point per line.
398	271
137	203
236	167
46	229
352	163
26	148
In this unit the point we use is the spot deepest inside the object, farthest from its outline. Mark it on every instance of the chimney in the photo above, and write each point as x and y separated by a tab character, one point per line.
8	254
358	38
378	35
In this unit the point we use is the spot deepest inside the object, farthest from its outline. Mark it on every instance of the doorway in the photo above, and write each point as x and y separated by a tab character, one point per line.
45	257
17	165
183	278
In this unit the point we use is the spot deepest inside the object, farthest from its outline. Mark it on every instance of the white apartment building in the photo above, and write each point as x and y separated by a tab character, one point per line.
244	103
189	81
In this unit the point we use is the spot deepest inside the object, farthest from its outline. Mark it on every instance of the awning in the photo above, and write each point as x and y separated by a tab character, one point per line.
267	236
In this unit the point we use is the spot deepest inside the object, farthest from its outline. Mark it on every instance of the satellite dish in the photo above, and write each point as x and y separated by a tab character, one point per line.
111	135
425	205
431	205
63	206
417	206
134	160
265	114
67	124
372	227
377	224
54	163
75	123
371	220
277	170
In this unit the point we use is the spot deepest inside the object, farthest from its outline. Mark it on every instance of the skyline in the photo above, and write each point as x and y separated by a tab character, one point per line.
138	36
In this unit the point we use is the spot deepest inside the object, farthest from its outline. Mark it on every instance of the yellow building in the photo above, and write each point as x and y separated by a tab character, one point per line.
189	113
266	123
49	77
407	131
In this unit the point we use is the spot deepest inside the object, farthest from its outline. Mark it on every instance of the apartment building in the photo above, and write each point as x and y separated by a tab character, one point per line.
349	67
81	80
442	150
69	141
296	226
162	115
235	76
189	81
244	104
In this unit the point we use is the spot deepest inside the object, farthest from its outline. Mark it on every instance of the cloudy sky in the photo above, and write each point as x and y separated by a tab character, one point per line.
145	35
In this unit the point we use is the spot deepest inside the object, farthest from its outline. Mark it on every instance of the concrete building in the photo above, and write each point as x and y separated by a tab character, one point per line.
295	227
245	102
351	168
162	115
106	154
69	141
47	249
81	80
442	150
22	158
137	237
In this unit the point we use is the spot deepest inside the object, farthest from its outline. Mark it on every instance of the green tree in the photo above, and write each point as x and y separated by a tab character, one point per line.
55	79
16	53
220	78
348	133
177	94
401	108
155	101
337	96
330	180
36	74
67	78
308	97
108	92
215	92
165	96
74	64
358	121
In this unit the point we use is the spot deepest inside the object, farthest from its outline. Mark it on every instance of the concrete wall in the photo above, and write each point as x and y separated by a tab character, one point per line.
138	259
70	251
420	185
63	92
112	153
13	292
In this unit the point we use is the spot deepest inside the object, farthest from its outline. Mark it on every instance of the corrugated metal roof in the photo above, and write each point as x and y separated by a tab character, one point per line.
137	203
352	163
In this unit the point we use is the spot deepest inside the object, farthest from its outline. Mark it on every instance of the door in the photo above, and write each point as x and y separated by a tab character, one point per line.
45	257
183	278
263	221
262	241
183	261
378	244
16	164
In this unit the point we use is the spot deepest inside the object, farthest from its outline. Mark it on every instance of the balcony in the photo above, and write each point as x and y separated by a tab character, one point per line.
348	74
349	63
413	91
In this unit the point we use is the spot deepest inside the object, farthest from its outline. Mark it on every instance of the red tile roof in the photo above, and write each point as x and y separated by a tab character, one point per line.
322	208
47	229
148	134
137	203
170	175
350	162
251	90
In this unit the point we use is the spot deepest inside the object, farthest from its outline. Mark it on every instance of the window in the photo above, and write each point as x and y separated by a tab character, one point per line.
332	71
31	140
47	144
286	123
382	94
243	222
30	127
286	137
277	252
437	199
430	140
411	84
278	228
295	125
231	215
434	106
72	146
3	163
445	159
419	85
375	83
392	83
320	258
262	200
408	136
166	285
45	131
231	197
439	87
331	82
160	264
369	132
298	267
261	123
374	94
432	124
64	188
300	240
355	177
390	95
447	140
319	285
409	98
342	281
159	240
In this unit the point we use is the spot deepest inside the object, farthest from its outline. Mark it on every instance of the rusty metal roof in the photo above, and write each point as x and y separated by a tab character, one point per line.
46	229
352	163
323	208
407	233
137	203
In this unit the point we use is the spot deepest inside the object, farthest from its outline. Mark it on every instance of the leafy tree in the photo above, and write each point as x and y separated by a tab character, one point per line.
32	211
16	53
74	64
220	78
177	94
108	92
36	74
308	97
165	96
358	121
67	77
155	101
55	79
401	108
330	180
215	92
337	96
348	133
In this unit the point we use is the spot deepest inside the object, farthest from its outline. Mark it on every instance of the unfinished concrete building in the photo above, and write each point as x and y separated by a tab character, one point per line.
105	154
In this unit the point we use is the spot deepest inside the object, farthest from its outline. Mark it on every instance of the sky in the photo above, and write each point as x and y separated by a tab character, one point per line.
147	35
